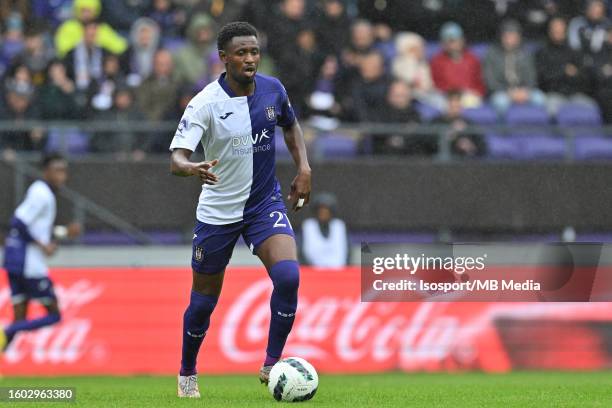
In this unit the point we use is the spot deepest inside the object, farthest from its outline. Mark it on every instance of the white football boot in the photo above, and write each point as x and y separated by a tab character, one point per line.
188	386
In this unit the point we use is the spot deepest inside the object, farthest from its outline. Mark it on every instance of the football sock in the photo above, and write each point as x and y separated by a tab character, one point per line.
24	325
285	276
195	323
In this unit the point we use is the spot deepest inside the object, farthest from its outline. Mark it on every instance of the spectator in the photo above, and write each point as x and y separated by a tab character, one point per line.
325	240
561	72
144	42
170	18
370	88
410	66
52	12
322	101
602	66
330	27
12	41
398	108
36	54
456	68
85	63
122	14
282	35
19	106
298	67
588	33
361	43
191	61
121	139
510	72
158	92
159	141
70	33
112	79
222	12
57	96
462	144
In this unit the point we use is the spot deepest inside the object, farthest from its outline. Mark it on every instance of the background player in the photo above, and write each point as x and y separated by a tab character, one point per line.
28	243
235	118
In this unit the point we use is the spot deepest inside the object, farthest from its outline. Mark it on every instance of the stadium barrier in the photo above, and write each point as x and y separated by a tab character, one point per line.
128	321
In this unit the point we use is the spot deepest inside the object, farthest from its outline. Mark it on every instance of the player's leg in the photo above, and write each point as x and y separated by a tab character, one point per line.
41	290
279	255
212	249
19	299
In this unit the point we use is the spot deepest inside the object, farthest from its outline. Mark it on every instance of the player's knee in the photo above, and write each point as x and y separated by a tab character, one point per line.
201	305
286	276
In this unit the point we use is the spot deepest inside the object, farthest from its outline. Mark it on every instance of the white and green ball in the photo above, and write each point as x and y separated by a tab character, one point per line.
293	379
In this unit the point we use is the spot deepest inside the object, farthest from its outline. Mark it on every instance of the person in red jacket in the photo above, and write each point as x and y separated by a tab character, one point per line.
456	68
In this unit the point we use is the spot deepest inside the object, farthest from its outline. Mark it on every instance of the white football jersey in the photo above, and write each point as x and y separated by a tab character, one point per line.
239	132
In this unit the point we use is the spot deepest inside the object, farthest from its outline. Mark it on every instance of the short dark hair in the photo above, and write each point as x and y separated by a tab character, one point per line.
50	158
235	29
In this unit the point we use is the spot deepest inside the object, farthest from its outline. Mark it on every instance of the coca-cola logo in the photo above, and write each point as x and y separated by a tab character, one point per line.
66	342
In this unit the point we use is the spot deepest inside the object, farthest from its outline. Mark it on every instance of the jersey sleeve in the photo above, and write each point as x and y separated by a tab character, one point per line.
287	115
193	126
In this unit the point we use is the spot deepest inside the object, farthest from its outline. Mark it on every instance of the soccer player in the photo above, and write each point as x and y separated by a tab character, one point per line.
234	118
28	243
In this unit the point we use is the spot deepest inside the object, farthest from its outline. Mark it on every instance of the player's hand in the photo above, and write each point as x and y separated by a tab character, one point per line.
202	170
50	248
74	230
300	190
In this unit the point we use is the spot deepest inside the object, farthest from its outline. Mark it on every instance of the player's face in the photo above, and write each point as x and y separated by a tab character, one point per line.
56	173
241	58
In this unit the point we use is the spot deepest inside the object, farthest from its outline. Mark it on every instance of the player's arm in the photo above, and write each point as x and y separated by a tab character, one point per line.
300	187
181	166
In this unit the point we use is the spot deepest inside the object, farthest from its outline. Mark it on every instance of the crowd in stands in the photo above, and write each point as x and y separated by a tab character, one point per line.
340	60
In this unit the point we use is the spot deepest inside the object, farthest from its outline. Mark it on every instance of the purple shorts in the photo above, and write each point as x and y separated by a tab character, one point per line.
22	289
213	244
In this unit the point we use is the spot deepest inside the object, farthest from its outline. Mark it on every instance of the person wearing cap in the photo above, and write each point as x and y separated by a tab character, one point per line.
510	72
587	33
457	68
324	237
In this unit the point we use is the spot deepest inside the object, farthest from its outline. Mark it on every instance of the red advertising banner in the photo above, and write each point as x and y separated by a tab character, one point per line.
128	321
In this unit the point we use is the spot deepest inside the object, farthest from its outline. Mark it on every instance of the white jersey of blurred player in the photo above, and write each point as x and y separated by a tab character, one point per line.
37	212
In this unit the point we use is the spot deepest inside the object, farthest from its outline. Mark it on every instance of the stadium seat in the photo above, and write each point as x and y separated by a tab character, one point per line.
593	147
576	114
427	112
482	115
68	140
431	49
527	115
502	147
479	49
335	146
539	145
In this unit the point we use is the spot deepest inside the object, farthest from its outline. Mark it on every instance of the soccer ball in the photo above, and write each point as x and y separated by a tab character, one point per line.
293	379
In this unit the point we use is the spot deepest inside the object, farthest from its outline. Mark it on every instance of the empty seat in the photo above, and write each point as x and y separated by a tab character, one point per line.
482	115
593	148
527	115
335	146
577	114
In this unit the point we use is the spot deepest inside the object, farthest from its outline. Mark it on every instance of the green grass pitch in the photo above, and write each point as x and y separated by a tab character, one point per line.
521	389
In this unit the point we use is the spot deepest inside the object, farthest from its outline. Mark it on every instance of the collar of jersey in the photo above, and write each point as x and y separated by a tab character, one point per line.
229	91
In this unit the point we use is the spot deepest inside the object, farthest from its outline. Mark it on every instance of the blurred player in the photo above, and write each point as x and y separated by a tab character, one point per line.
234	118
28	243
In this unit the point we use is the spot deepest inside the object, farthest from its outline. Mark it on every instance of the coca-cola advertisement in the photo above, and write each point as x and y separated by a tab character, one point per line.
128	321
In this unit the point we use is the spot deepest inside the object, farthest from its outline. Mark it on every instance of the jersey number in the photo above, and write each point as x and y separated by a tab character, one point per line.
279	221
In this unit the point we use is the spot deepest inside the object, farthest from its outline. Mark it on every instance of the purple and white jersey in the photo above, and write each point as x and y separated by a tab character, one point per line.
239	131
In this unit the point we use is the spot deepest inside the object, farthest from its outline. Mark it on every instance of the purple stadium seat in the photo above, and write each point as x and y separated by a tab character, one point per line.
482	115
541	146
69	140
576	114
527	115
427	112
479	49
593	148
335	146
431	49
502	147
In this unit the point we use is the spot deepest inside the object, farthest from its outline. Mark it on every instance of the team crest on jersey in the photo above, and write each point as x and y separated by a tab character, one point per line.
198	254
270	113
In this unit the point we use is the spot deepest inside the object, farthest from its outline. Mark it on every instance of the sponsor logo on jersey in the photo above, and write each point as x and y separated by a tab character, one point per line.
227	114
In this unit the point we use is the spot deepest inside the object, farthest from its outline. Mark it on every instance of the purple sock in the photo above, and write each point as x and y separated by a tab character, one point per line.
195	323
33	324
270	361
285	276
